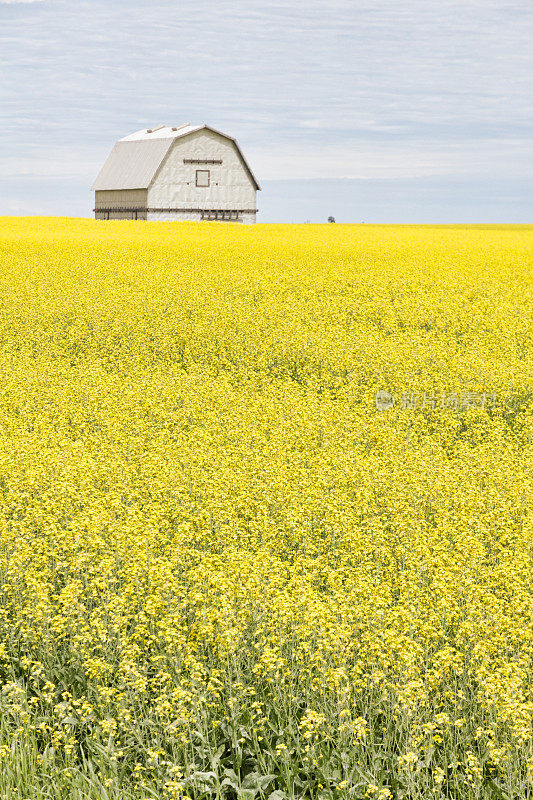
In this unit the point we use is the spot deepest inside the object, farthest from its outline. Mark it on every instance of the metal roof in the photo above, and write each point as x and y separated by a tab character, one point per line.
132	164
136	158
162	132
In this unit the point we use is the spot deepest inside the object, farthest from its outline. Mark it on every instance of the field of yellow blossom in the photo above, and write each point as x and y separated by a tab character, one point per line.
266	521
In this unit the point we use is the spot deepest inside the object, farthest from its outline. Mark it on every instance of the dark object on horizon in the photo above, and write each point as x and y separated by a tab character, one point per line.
331	219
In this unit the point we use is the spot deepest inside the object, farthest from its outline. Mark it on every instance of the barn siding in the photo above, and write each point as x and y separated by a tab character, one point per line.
193	216
174	185
120	198
119	214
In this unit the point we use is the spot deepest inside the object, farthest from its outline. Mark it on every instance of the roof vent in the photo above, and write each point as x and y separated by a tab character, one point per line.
153	130
179	127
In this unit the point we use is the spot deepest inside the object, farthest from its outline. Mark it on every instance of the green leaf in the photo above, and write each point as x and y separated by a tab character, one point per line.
264	780
250	782
204	777
230	779
496	791
215	759
395	784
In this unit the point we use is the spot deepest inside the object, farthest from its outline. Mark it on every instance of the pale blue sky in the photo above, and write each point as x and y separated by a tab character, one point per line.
376	110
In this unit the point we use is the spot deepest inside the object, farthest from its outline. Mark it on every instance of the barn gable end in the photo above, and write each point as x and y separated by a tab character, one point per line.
217	159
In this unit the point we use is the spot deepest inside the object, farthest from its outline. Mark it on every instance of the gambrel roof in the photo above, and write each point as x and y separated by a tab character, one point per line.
134	160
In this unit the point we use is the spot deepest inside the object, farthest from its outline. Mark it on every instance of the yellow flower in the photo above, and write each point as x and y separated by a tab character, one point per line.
211	532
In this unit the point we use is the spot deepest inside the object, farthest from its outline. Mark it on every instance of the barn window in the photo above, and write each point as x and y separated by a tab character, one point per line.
202	177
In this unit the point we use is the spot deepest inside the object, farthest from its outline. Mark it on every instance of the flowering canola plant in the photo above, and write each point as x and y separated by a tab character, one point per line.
224	571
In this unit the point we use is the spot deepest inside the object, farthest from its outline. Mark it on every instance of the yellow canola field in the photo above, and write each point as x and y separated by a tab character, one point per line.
224	571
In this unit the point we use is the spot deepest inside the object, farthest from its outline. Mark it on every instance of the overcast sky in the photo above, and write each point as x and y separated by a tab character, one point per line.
382	111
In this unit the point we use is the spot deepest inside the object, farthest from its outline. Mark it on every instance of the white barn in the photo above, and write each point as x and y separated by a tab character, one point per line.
187	172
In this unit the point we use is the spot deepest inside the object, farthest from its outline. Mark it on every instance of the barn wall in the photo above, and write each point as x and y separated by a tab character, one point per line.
171	216
117	214
175	184
191	216
120	198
